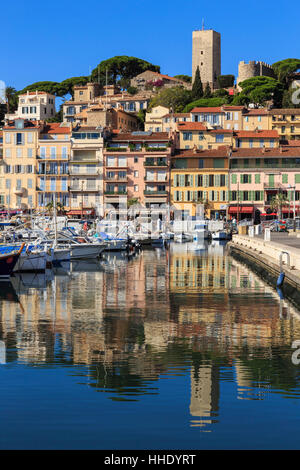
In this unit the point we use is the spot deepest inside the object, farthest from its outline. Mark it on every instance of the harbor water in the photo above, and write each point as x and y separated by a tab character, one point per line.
177	348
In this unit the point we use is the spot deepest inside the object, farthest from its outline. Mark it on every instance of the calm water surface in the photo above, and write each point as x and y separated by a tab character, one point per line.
174	349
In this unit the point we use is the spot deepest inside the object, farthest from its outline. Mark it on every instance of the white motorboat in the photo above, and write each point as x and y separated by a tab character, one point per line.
201	231
220	235
86	250
182	237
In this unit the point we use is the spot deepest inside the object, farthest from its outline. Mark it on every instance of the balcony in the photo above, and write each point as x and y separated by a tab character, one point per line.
83	172
53	157
152	163
155	179
18	190
275	186
115	193
116	179
155	193
52	173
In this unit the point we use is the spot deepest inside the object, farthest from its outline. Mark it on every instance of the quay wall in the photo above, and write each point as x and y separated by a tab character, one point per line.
263	258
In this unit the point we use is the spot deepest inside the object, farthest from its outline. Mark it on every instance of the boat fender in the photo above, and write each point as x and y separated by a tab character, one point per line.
280	279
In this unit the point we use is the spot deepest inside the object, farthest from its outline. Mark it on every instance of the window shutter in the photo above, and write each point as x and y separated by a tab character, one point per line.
217	180
192	180
257	178
241	178
204	195
226	181
181	180
210	195
249	179
217	194
297	178
226	196
233	179
284	178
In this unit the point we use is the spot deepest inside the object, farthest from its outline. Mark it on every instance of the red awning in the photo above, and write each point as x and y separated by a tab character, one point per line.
79	212
241	210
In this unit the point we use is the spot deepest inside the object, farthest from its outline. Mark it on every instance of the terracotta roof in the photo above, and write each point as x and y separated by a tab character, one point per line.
292	143
55	128
166	76
283	151
191	126
230	108
257	134
289	111
215	109
221	151
256	112
27	124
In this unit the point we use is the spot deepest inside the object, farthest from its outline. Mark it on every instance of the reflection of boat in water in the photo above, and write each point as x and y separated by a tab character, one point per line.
7	291
62	269
24	281
88	265
217	247
198	246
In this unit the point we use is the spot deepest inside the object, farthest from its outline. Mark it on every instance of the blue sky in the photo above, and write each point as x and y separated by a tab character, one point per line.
61	39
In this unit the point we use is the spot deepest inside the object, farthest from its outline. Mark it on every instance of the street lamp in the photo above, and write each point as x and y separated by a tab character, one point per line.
294	188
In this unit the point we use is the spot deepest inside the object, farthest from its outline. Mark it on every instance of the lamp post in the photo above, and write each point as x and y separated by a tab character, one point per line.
294	188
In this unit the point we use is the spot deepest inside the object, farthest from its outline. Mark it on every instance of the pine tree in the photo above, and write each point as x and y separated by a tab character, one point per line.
207	91
197	90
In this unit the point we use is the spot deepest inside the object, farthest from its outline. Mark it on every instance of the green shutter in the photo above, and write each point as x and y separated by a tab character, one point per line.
210	195
249	179
181	180
206	181
204	195
226	196
257	178
217	180
241	179
285	178
192	180
233	179
226	181
271	181
297	178
261	195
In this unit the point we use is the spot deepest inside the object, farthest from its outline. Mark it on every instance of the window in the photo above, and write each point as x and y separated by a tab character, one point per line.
272	143
30	201
251	143
233	195
200	163
261	143
25	110
53	152
19	152
7	137
43	152
29	152
245	179
201	135
222	180
211	180
32	109
136	188
259	118
7	184
19	138
136	159
219	138
29	183
7	153
219	162
187	136
285	179
136	174
257	195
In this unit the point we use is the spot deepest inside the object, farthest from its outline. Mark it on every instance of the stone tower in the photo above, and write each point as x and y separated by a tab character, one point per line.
207	55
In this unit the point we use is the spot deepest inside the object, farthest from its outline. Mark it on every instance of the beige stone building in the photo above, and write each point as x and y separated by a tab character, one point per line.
145	79
35	106
286	122
159	119
207	56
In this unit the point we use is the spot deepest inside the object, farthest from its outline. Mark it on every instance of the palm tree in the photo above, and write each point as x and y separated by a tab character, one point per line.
49	207
278	201
60	207
11	98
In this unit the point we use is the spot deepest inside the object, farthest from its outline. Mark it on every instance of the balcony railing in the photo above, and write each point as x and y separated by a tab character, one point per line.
155	193
54	157
53	173
155	163
115	193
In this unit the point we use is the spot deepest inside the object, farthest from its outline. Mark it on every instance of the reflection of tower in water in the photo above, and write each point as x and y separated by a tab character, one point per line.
204	394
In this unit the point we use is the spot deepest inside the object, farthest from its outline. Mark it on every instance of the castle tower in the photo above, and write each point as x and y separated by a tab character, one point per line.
207	55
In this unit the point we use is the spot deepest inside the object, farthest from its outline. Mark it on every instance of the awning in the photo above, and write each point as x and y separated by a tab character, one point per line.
241	210
79	212
273	213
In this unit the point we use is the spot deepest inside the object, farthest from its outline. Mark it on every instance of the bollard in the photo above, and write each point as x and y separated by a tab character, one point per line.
258	229
267	235
251	231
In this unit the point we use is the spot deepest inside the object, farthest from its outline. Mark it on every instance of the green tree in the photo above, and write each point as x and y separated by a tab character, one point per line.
176	98
11	97
120	67
203	103
284	68
278	202
67	86
207	91
184	78
197	89
48	87
132	90
225	81
259	90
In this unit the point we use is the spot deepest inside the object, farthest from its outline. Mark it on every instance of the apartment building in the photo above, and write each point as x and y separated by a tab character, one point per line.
198	135
255	119
286	122
98	116
35	164
137	166
86	171
224	117
34	106
200	177
159	119
257	175
256	139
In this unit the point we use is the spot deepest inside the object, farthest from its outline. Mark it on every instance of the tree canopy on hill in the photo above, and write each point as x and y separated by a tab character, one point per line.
120	69
204	103
56	88
283	68
259	90
185	78
175	98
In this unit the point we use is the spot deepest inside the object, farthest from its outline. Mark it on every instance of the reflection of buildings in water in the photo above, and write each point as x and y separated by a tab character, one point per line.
159	334
204	394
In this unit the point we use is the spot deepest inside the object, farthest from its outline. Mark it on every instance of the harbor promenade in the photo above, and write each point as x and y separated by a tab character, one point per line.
269	258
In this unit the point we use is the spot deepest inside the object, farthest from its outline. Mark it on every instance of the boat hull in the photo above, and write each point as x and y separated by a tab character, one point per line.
86	251
31	262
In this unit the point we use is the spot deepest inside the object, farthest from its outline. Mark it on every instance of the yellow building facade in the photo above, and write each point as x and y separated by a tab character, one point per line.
200	177
197	135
